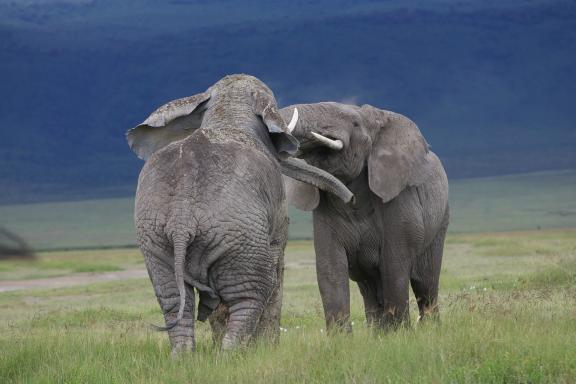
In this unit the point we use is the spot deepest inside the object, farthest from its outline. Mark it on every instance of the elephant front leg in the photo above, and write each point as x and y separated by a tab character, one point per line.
162	276
332	275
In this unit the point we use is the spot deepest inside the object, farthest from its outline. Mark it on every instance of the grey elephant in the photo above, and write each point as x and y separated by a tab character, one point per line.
393	235
210	208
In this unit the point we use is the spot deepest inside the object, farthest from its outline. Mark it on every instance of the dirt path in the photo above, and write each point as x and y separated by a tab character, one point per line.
70	280
87	278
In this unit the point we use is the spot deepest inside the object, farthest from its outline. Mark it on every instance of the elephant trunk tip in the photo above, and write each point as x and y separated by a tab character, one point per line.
352	200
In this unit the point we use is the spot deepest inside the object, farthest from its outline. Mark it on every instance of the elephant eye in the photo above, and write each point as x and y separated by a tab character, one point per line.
356	124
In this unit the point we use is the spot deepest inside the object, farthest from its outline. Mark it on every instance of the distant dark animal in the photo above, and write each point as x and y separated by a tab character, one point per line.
13	246
210	208
393	235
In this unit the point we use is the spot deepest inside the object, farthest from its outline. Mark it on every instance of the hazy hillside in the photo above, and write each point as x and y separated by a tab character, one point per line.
521	202
491	84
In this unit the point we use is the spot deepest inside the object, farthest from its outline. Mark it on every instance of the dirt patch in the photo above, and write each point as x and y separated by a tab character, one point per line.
88	278
71	280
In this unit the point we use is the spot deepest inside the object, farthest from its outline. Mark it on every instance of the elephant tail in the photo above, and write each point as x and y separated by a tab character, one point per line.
181	242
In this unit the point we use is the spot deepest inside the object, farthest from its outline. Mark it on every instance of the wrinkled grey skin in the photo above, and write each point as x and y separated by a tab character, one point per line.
210	209
393	235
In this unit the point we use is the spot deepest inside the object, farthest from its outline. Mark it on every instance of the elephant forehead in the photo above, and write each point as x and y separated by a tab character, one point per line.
229	134
327	114
243	81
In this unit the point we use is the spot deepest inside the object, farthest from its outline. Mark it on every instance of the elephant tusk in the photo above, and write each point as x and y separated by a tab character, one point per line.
332	144
294	120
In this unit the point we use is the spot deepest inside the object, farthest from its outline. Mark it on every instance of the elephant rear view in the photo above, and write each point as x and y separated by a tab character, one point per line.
210	208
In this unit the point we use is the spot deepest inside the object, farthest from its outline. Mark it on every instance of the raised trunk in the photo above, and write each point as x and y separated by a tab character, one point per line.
302	171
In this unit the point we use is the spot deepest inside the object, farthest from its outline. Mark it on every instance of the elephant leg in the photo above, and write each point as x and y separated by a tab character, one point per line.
395	280
245	284
372	309
269	325
162	275
332	275
219	322
242	322
425	278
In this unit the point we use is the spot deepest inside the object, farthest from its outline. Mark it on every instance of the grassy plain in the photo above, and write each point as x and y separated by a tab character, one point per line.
518	202
508	303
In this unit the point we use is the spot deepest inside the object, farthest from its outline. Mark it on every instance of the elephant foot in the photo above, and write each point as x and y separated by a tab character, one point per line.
182	337
429	316
394	318
231	342
339	326
182	348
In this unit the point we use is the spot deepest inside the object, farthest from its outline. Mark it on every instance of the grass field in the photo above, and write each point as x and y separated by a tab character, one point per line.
518	202
508	303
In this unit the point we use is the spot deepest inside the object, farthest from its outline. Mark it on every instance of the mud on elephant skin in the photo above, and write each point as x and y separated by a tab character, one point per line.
393	236
210	210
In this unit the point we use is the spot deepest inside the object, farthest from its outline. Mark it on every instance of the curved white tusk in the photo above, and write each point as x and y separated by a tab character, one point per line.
332	144
294	120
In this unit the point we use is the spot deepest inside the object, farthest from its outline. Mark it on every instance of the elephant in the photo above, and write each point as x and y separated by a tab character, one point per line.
393	234
210	209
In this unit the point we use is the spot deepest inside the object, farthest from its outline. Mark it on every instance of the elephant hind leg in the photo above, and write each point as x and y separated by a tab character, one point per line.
164	283
425	277
242	323
245	290
269	324
219	322
372	309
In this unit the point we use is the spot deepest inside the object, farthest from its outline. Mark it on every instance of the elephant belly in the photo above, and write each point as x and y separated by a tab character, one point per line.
361	246
433	200
363	264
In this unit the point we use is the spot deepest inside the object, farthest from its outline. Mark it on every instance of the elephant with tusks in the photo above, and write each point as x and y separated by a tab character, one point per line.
392	237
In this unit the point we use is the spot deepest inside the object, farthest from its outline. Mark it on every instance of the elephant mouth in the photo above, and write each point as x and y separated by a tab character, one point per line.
320	150
320	157
315	141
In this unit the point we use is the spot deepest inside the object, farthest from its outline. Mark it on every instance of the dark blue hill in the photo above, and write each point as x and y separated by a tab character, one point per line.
491	84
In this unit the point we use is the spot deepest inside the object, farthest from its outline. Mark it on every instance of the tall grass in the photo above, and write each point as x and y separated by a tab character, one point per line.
507	317
482	338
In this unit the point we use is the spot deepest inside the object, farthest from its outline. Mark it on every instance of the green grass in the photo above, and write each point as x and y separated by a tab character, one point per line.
507	317
519	202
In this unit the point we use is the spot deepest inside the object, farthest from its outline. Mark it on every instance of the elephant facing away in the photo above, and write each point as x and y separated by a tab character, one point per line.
210	208
393	235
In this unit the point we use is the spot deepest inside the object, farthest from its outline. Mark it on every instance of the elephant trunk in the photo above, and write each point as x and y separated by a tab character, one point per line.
302	171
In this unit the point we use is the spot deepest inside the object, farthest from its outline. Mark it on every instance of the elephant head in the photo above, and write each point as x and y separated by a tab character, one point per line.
248	96
344	139
249	103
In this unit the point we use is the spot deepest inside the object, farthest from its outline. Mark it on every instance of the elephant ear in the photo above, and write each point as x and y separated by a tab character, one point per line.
265	106
399	153
171	122
301	195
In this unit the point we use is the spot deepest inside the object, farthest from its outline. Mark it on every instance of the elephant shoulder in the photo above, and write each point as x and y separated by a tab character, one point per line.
433	170
434	188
